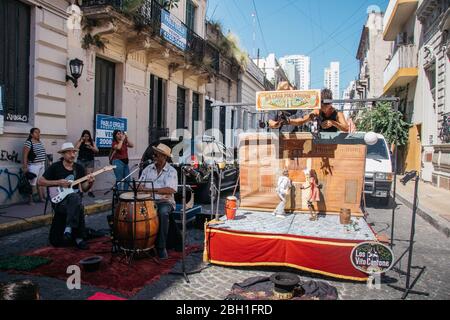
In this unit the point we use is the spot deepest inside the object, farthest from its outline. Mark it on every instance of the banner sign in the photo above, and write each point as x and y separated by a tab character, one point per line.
173	30
104	128
2	103
287	100
372	257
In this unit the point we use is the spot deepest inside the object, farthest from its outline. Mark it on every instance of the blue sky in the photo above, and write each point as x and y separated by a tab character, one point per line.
326	30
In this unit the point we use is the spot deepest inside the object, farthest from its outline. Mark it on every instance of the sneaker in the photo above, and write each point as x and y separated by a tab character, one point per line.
90	194
82	245
162	254
281	215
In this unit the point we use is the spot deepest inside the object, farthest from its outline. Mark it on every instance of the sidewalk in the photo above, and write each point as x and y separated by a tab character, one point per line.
21	217
434	203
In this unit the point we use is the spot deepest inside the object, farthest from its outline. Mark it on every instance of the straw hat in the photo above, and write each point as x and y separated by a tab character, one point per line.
165	150
67	146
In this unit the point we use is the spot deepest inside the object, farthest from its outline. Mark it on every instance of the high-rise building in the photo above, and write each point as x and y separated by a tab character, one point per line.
272	69
331	79
298	70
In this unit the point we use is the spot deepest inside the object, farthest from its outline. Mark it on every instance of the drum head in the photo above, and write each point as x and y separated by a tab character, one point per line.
129	196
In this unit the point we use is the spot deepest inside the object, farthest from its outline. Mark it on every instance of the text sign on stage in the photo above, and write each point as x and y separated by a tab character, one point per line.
372	257
104	128
287	100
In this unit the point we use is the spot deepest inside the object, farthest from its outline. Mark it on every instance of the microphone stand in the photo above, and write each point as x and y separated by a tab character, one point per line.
123	180
183	236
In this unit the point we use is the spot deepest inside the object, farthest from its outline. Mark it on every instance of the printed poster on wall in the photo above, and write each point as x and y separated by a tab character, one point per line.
288	100
104	128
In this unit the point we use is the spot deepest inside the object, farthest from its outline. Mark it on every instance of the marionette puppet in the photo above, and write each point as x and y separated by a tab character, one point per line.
312	184
283	187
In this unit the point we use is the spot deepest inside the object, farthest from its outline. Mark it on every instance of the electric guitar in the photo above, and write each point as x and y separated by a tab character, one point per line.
58	194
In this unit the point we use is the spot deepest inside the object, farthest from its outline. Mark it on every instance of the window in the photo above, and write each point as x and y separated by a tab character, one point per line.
157	108
208	115
104	87
190	14
15	58
431	74
104	91
181	108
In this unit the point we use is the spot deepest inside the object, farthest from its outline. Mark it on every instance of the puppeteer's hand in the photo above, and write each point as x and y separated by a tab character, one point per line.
327	124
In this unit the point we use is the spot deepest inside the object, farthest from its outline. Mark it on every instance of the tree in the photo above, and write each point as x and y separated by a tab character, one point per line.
382	119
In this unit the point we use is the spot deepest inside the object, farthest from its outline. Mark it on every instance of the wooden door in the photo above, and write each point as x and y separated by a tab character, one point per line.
414	149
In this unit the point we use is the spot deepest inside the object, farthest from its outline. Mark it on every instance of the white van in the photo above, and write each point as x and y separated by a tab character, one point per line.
378	174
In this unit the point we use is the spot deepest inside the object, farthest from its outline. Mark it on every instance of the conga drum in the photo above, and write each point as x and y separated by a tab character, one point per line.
136	222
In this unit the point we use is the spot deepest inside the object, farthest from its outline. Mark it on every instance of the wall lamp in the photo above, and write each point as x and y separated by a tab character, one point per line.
76	69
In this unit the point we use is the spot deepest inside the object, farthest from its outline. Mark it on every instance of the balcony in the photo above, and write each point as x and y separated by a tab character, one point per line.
150	28
397	14
402	68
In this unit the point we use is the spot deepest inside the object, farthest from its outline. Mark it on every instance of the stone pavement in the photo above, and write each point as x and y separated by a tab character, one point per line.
432	249
433	203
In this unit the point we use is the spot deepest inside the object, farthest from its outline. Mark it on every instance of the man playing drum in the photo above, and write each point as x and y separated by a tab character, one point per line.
165	184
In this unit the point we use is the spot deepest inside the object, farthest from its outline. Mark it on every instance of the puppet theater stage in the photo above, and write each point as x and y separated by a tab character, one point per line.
257	238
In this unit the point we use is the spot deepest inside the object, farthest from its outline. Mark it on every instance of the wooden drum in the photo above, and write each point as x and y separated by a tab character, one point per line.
136	222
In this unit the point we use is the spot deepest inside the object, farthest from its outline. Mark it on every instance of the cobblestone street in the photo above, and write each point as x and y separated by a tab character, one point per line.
432	249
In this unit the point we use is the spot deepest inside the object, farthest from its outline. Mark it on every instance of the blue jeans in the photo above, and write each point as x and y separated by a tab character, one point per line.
121	171
164	209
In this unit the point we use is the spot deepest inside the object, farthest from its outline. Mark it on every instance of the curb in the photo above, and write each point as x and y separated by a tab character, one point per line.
44	220
427	216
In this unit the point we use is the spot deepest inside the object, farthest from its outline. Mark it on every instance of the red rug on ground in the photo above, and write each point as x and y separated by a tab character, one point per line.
119	276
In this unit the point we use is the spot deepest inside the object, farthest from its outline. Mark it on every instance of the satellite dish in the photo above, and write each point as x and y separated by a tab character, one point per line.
370	138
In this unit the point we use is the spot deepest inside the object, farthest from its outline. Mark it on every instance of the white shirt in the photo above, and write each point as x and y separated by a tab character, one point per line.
283	185
167	178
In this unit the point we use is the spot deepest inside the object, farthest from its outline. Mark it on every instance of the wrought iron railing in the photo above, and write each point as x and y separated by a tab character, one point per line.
149	15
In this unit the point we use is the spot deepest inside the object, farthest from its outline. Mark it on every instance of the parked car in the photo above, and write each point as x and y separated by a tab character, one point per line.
378	172
203	153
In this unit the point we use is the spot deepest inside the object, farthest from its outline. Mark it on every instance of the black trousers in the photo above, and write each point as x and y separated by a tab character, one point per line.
68	213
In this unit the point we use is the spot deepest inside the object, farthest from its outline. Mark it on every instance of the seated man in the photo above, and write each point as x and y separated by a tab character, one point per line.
68	226
329	118
165	184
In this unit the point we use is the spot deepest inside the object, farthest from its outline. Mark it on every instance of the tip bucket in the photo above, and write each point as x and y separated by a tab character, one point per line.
231	207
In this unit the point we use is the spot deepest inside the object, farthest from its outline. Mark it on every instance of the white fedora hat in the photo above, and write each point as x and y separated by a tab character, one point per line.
165	150
67	146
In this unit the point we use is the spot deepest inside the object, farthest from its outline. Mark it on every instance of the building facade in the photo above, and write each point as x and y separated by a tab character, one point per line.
332	79
272	69
373	53
401	72
433	101
131	70
298	70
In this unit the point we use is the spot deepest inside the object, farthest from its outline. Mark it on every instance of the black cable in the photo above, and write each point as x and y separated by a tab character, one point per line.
260	29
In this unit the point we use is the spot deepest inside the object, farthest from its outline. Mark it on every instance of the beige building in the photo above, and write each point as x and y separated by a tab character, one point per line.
145	66
433	101
372	55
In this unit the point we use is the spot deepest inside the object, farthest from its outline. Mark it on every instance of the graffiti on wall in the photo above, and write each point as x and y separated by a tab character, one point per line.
13	156
9	183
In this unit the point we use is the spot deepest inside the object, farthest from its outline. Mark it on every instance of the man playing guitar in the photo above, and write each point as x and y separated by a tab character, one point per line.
68	225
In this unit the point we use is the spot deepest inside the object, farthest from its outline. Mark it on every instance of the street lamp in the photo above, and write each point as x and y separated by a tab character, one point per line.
76	69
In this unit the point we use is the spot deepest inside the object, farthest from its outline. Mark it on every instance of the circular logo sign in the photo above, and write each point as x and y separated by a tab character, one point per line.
372	257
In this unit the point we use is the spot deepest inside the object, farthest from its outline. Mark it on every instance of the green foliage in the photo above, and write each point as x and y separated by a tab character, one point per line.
89	40
131	6
382	119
